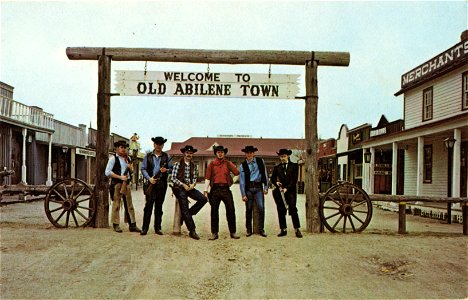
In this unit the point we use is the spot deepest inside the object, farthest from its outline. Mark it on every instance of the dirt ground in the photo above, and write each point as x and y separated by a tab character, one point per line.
41	261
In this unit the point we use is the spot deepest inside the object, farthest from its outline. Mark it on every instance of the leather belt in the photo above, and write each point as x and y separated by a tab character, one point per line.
220	185
254	184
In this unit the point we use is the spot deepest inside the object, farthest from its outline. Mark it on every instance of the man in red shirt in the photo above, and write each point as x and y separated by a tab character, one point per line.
217	181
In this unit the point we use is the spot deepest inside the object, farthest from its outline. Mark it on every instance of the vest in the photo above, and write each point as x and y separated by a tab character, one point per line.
181	171
163	162
246	170
117	169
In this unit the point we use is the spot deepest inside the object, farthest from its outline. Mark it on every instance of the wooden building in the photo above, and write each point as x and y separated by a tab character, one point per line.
326	157
349	153
41	149
429	157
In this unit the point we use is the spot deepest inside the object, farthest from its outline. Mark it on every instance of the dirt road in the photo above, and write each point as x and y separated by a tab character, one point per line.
41	261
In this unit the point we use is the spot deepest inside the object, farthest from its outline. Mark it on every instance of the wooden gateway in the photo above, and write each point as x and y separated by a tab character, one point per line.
310	59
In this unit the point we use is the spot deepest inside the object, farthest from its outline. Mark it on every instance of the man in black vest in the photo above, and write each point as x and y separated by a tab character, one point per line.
284	178
184	177
119	168
155	168
253	183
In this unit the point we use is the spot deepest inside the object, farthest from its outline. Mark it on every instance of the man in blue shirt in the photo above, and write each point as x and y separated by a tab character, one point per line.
253	186
155	169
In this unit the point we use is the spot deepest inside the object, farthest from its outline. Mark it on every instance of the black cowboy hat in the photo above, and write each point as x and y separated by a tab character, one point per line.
159	140
219	148
121	143
284	151
249	149
188	148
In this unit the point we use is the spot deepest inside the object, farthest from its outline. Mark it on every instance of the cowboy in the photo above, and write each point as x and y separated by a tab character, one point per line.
119	169
184	177
217	182
253	183
284	178
155	169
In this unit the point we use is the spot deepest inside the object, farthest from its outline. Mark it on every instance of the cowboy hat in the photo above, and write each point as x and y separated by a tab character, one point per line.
219	148
159	140
188	148
249	149
284	151
121	143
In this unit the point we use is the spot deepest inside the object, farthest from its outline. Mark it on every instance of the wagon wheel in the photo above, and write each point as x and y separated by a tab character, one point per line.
345	207
70	202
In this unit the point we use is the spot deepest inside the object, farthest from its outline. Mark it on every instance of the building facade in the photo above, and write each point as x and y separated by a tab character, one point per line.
40	149
429	157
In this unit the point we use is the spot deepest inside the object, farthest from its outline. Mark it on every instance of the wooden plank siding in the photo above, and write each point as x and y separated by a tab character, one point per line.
446	99
411	169
438	186
65	134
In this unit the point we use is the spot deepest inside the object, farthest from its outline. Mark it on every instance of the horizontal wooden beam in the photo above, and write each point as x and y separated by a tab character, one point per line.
406	198
211	56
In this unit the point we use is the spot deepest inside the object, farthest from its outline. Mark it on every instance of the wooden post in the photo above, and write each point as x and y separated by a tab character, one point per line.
311	178
255	218
402	218
176	227
465	217
102	142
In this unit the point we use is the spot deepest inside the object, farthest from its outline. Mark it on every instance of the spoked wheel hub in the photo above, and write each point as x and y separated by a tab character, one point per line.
346	209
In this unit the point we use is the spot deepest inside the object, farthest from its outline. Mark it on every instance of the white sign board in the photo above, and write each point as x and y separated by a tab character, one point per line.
205	84
85	152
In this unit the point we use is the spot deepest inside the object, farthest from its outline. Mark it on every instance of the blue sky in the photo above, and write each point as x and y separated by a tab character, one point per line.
385	40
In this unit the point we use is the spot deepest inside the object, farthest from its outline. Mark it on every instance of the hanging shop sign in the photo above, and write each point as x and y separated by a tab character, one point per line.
454	55
206	84
85	152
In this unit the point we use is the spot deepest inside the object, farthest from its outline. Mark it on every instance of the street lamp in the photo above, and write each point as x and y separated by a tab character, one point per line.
367	156
449	143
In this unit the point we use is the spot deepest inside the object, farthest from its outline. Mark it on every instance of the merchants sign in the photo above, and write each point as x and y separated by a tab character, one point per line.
206	84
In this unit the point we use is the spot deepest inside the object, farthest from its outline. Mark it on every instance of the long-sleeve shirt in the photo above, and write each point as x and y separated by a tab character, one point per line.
111	163
254	176
218	171
187	180
156	162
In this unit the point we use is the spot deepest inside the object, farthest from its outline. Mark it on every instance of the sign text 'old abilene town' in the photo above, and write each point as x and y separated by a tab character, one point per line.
206	84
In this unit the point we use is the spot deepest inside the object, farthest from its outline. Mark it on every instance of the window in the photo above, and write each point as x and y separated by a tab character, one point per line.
427	171
358	171
465	91
427	104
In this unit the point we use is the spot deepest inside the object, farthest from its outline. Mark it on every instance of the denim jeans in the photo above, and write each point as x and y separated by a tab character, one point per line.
254	194
182	196
156	200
